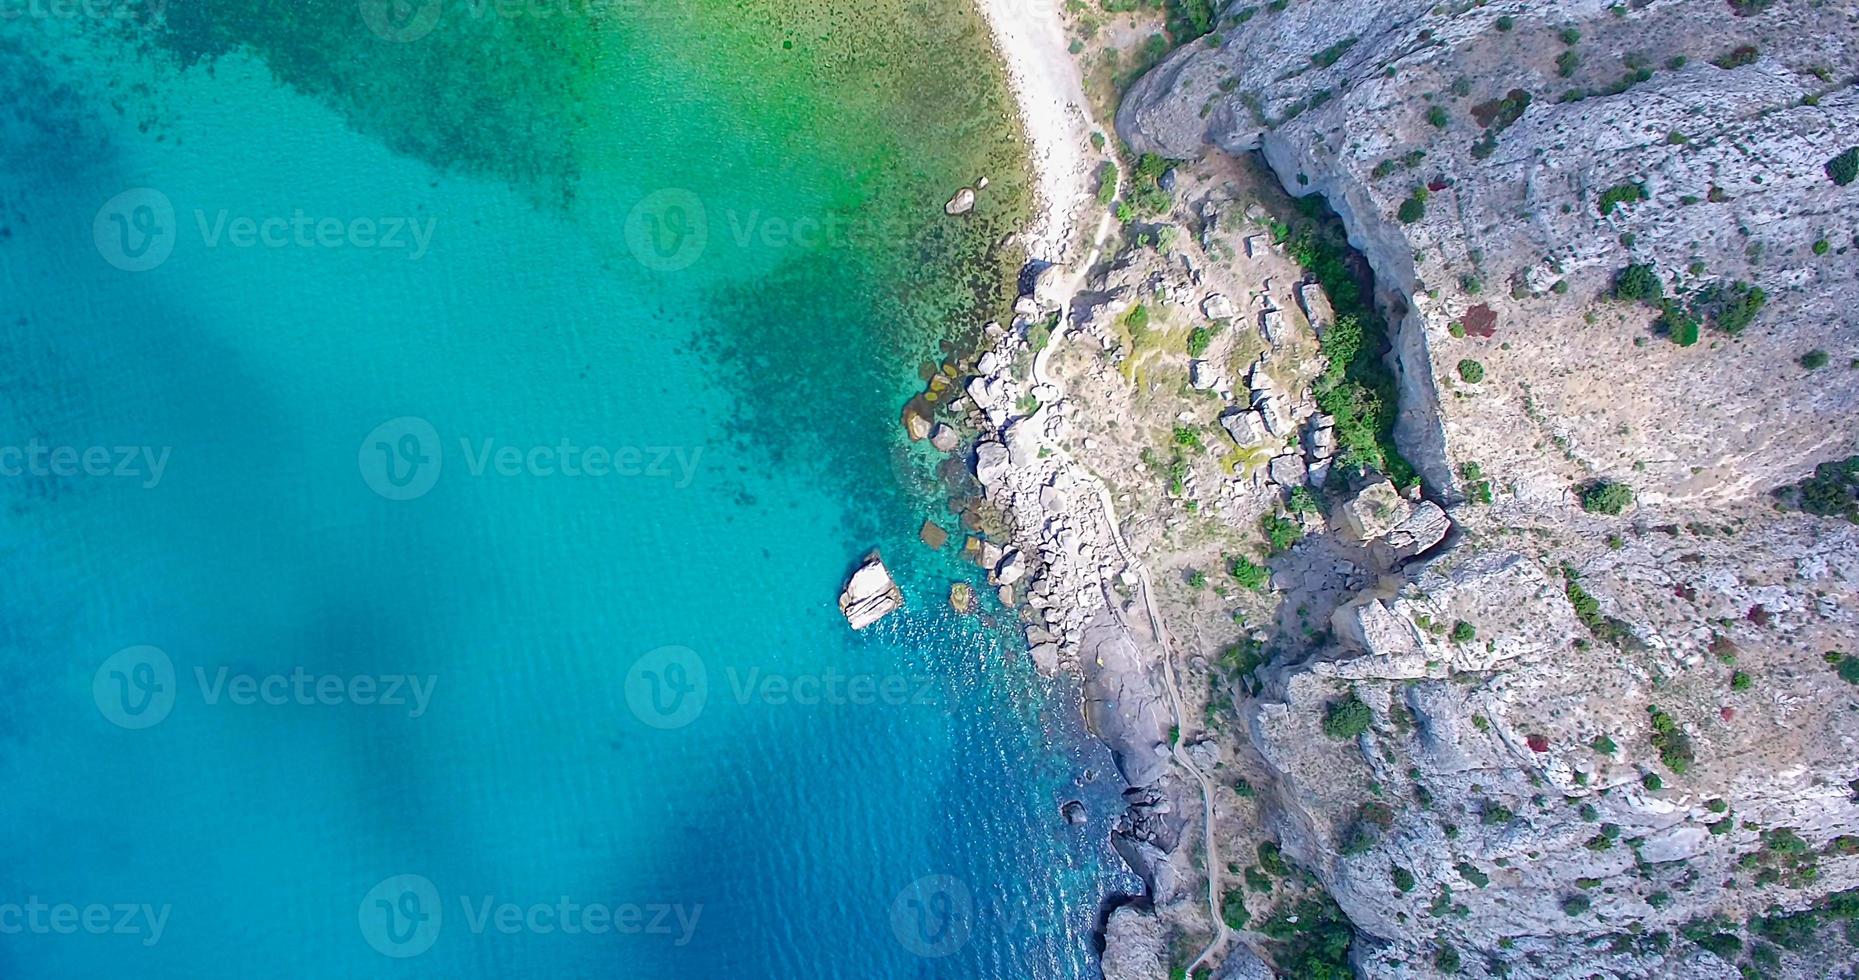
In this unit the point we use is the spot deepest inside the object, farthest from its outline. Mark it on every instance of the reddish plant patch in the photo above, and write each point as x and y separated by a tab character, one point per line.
1758	615
1481	321
1538	743
1727	714
1686	593
1437	186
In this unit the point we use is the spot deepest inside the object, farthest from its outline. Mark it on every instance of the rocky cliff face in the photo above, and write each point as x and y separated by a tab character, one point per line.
1554	145
1620	738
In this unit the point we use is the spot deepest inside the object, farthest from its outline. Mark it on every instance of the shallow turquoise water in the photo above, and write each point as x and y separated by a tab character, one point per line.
618	736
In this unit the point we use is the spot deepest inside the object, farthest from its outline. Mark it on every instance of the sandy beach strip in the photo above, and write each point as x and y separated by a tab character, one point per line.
1056	116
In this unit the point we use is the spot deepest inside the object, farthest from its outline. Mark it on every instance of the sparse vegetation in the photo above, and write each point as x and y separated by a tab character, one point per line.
1833	491
1608	497
1620	194
1281	532
1844	169
1344	720
1673	744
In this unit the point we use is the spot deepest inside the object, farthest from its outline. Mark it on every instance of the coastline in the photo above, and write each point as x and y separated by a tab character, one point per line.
1029	40
1111	644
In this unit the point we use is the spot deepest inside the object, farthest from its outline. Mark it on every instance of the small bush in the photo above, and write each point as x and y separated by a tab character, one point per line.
1673	744
1741	681
1814	360
1575	905
1403	879
1844	169
1248	573
1438	117
1639	281
1463	632
1471	372
1604	745
1281	532
1506	22
1620	194
1411	210
1652	782
1344	720
1199	339
1606	497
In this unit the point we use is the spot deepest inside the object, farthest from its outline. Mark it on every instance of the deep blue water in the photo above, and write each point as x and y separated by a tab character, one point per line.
643	741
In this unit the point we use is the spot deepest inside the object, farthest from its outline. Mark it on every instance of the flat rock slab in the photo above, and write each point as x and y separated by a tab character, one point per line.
871	594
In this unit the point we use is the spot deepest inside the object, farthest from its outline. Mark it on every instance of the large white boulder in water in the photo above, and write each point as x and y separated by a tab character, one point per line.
871	594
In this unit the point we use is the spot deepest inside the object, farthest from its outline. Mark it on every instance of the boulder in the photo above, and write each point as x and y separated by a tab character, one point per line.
991	463
944	437
962	597
1203	375
916	425
1011	569
1073	812
1373	512
1244	426
962	203
1218	307
1049	287
1287	471
871	594
933	535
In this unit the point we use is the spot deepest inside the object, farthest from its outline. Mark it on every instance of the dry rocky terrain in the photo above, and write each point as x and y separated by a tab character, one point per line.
1573	694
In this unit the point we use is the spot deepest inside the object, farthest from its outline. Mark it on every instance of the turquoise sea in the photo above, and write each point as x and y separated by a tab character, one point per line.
432	439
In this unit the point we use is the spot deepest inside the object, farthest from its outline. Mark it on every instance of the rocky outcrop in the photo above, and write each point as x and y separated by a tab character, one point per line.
871	594
1553	144
1122	704
1135	945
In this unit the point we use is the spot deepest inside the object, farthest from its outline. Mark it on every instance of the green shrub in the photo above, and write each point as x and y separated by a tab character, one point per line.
1199	339
1844	169
1281	532
1833	490
1822	247
1673	744
1344	720
1447	959
1471	372
1411	210
1575	905
1652	782
1506	22
1438	117
1730	307
1568	63
1814	360
1233	910
1605	497
1639	281
1603	745
1403	879
1620	194
1463	632
1106	183
1248	573
1740	681
1332	54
